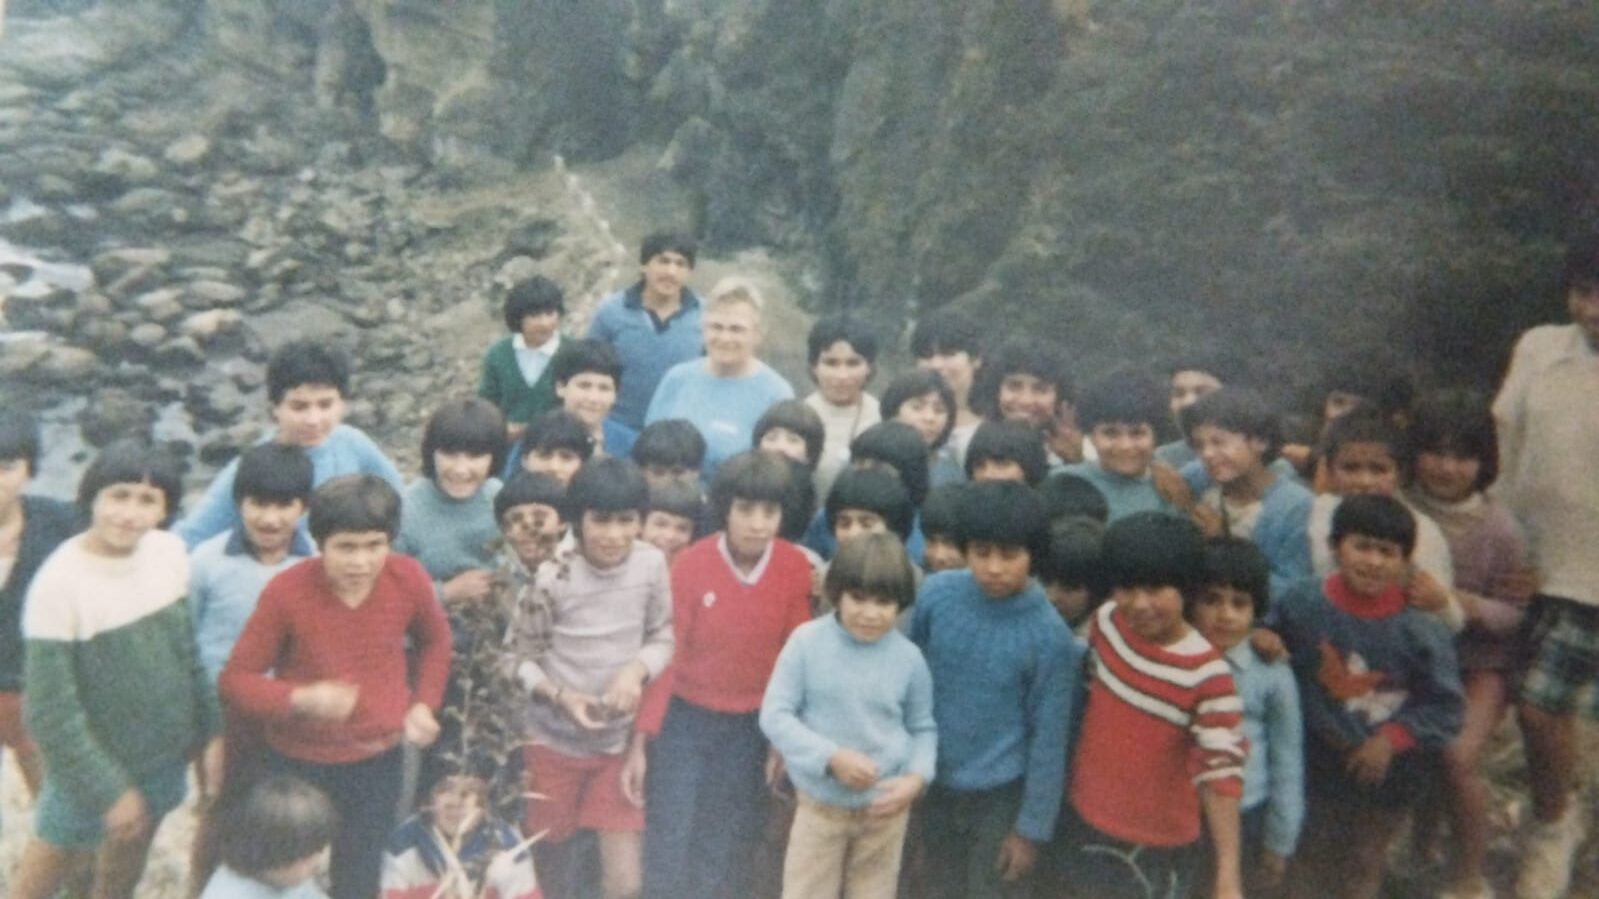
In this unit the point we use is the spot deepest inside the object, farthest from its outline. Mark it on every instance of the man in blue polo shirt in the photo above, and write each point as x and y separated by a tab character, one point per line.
654	325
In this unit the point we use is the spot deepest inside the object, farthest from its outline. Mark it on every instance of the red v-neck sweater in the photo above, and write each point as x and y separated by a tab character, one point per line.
303	633
728	633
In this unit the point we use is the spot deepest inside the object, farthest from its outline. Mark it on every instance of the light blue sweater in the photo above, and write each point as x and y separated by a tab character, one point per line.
225	581
1006	677
1123	495
1281	530
830	691
647	348
724	410
1274	772
448	536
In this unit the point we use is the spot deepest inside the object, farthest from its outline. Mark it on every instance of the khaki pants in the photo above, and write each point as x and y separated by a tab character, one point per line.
833	849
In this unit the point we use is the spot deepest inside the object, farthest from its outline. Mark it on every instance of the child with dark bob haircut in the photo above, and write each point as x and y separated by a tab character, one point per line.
272	841
868	493
940	518
556	443
791	428
670	449
673	520
1072	571
890	446
447	516
1119	413
517	373
1006	451
841	353
588	376
923	400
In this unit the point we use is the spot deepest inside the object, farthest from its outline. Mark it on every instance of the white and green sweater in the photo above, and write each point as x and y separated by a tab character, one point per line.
115	690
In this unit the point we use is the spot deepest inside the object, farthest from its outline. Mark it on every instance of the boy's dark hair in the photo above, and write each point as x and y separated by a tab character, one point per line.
558	429
1007	514
280	821
830	330
796	416
131	461
1459	422
1238	564
1076	544
750	476
273	473
1364	426
670	443
1240	411
1123	398
464	425
668	242
1019	356
19	439
533	296
799	502
896	444
1069	496
914	384
1008	441
678	498
948	331
1221	365
941	512
606	484
354	503
578	357
873	490
873	565
529	488
1377	517
1376	377
1152	549
301	362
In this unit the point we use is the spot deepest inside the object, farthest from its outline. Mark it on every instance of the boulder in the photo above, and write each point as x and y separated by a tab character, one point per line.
188	151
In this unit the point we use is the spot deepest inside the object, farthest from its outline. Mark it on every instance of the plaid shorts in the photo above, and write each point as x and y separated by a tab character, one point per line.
1563	657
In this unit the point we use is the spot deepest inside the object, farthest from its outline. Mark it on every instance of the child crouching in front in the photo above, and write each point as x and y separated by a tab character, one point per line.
1381	692
275	843
850	708
456	846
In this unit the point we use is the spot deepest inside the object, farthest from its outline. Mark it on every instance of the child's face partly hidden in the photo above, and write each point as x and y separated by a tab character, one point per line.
1582	301
1189	387
865	617
1028	399
941	554
607	537
1224	615
14	476
457	804
1447	475
1364	468
459	474
1370	565
841	374
1339	403
352	560
296	873
307	414
1125	448
667	532
559	463
1153	613
121	515
539	327
785	443
589	395
657	475
751	525
1227	455
1071	602
531	530
270	525
998	470
852	523
1000	570
927	414
956	368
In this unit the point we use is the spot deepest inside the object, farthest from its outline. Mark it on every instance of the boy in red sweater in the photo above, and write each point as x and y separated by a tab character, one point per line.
1159	746
336	703
736	596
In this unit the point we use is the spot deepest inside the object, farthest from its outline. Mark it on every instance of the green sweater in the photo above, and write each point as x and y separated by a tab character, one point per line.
115	690
502	384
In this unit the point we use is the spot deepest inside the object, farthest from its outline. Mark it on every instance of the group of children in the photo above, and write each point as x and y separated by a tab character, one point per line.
981	637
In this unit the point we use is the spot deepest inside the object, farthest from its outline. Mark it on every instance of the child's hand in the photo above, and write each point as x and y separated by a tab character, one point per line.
1520	585
468	586
1425	593
1268	644
895	795
633	767
585	711
1017	856
421	728
127	818
1368	764
1269	872
1208	520
622	694
325	700
852	769
1171	486
776	771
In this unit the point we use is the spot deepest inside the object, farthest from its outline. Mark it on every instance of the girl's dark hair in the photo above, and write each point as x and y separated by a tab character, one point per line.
1365	426
534	296
529	488
1075	556
668	242
301	362
834	328
948	331
1125	397
1377	517
464	425
873	565
132	461
606	484
273	473
354	503
914	384
1238	564
1152	549
1019	356
1221	365
1240	411
678	498
1007	514
1459	422
799	501
19	438
558	429
578	357
750	476
280	821
670	443
896	444
1069	496
941	512
796	416
1008	441
873	490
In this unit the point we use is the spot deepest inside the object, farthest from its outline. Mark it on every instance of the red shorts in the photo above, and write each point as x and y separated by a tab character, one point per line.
12	731
579	793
